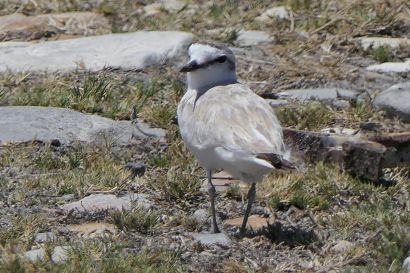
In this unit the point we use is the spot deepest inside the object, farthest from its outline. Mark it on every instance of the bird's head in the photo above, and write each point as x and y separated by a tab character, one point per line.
209	66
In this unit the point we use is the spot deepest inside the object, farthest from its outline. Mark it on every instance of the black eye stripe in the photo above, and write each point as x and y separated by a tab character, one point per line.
221	59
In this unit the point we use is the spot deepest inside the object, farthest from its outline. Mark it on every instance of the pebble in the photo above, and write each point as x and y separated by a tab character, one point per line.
137	169
209	239
44	237
342	247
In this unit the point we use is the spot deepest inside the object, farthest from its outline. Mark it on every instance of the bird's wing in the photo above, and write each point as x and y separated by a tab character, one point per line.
234	118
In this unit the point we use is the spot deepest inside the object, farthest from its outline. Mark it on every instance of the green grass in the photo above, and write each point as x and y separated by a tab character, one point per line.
99	257
138	219
314	189
382	54
104	93
314	116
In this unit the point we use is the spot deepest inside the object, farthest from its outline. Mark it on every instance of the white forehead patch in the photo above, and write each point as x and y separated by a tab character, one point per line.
203	53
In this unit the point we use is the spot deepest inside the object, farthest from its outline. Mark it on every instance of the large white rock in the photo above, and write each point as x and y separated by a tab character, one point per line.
395	100
27	123
395	67
134	50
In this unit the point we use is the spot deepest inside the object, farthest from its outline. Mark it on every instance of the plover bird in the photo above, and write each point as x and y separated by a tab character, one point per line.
225	124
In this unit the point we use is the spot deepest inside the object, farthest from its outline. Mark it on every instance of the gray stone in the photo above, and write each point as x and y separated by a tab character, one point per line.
201	215
341	104
136	50
137	169
376	42
97	202
253	37
391	67
395	100
68	197
406	264
44	237
26	123
209	239
19	26
280	12
35	254
320	94
59	254
169	5
342	247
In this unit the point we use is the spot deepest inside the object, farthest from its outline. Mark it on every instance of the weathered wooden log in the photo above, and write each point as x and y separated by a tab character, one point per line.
364	158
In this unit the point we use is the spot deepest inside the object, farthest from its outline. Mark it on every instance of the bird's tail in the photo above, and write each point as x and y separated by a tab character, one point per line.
277	161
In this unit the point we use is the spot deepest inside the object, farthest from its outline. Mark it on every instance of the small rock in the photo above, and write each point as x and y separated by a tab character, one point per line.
44	237
68	197
320	94
255	222
253	37
406	264
376	42
97	202
398	67
395	100
91	230
168	5
341	104
59	254
201	215
280	12
208	239
137	169
277	103
342	247
35	254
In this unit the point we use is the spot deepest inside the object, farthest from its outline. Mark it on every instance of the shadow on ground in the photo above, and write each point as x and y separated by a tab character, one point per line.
288	235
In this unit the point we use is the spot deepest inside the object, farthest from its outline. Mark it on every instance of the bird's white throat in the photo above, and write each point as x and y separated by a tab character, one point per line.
208	77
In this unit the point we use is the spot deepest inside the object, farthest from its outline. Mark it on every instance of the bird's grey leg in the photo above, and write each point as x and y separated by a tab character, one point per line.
212	191
251	198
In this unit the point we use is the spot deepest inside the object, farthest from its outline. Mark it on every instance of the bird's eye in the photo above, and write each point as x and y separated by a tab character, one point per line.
221	59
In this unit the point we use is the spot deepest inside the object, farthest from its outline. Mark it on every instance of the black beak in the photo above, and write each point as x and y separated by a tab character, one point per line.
191	66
